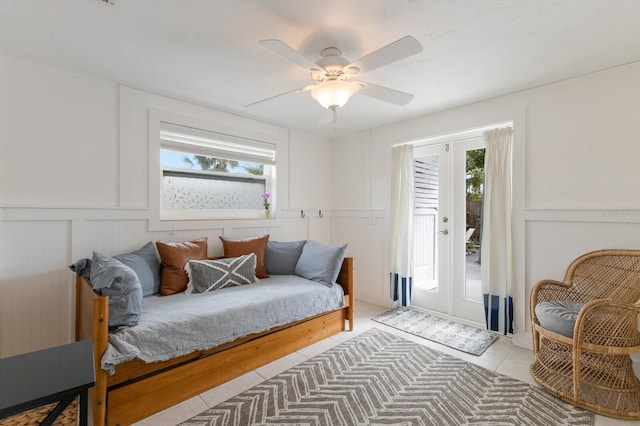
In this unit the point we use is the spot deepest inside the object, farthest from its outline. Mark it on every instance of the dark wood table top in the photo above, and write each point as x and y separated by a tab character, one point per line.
37	378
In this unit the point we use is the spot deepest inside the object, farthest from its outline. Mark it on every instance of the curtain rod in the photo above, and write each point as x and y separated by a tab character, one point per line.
456	136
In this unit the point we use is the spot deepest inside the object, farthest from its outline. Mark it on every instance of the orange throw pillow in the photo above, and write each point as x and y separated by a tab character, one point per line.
236	248
173	257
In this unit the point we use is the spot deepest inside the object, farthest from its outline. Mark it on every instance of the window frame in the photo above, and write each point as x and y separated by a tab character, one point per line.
167	219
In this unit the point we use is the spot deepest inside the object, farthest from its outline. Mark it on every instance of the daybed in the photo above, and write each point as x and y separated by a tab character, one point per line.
137	389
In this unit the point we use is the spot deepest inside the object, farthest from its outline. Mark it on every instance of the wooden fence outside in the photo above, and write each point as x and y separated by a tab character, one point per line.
474	216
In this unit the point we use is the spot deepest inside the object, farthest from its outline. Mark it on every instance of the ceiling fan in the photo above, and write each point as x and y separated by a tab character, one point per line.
332	73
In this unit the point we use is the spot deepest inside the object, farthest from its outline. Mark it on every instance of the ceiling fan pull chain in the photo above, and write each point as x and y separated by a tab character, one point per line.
335	116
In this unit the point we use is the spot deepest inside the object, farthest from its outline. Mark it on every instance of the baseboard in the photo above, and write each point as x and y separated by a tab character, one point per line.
523	340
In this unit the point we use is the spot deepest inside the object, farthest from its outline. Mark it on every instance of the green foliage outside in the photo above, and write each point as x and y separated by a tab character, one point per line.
254	169
222	165
475	174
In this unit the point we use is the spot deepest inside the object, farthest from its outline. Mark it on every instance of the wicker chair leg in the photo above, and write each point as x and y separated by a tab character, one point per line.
577	372
536	342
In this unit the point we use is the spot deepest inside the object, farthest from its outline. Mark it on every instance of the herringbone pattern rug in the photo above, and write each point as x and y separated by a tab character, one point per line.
378	378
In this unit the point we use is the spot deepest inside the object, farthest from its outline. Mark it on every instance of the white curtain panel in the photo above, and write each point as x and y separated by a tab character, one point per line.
496	244
402	210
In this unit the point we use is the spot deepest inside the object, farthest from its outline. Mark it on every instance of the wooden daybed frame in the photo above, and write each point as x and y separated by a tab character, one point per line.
138	389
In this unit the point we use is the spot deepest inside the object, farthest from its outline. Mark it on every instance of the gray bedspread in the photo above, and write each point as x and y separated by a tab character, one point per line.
176	325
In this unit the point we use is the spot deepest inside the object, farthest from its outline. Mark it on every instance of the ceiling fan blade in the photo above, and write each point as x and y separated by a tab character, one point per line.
288	52
399	49
300	89
384	94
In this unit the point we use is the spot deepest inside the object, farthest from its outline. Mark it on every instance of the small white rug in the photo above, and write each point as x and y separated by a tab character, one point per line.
463	337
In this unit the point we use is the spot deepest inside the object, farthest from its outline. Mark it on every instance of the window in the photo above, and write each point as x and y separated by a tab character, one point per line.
209	175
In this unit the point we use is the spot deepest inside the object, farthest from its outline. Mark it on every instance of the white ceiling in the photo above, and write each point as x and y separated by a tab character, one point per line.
207	51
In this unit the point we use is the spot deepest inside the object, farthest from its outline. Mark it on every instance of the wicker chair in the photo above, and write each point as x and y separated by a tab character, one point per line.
593	368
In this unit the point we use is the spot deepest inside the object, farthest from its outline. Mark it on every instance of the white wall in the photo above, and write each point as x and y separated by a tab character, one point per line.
55	130
74	177
576	175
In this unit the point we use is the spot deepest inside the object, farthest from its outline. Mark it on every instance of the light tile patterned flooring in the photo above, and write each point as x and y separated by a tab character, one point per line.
502	357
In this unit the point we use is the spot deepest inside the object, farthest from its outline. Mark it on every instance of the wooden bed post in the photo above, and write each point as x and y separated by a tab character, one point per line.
92	322
101	331
345	279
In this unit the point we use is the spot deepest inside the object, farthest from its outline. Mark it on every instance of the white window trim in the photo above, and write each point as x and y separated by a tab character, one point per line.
160	219
201	141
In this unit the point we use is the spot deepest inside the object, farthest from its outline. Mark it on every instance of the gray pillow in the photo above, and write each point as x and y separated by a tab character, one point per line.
320	263
558	316
82	267
210	275
115	279
146	265
143	261
281	257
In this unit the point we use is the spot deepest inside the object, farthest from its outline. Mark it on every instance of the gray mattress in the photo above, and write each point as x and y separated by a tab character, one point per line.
176	325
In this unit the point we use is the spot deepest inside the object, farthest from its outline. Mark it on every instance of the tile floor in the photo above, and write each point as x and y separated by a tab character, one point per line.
502	357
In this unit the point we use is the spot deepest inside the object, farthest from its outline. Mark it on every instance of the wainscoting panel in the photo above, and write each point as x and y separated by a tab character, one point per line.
286	227
552	245
34	284
364	231
111	237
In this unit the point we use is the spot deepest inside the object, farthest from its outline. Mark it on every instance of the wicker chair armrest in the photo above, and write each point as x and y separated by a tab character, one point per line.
608	323
547	290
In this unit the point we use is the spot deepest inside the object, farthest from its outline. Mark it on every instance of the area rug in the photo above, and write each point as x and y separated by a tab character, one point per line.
378	378
463	337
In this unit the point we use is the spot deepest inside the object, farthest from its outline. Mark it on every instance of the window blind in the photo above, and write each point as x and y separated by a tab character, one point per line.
426	182
218	145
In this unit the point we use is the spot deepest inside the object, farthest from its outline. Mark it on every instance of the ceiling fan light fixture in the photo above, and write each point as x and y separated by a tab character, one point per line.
333	93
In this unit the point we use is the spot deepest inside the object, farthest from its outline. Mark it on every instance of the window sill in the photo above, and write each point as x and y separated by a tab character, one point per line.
186	215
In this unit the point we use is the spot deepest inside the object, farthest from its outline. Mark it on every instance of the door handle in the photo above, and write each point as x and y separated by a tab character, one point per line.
444	232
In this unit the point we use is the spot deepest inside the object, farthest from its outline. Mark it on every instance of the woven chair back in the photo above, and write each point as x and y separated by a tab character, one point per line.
606	274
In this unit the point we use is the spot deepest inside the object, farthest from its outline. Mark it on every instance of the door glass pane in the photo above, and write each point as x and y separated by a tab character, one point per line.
426	217
475	192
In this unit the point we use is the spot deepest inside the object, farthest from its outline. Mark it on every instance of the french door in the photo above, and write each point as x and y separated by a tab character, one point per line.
431	228
446	231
